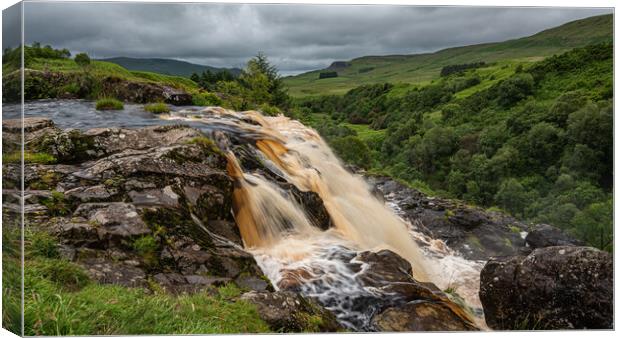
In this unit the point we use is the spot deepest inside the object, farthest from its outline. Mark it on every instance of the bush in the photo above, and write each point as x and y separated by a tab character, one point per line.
352	150
270	110
82	59
157	108
109	104
206	99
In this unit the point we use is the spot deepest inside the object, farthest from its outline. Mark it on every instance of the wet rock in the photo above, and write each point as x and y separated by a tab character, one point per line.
286	311
30	124
420	316
561	287
545	235
115	140
475	233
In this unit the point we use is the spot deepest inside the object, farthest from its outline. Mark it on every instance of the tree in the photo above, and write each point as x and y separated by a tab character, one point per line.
263	82
82	59
515	89
512	196
595	225
353	150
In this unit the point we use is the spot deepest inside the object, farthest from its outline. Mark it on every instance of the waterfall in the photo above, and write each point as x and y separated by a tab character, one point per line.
289	248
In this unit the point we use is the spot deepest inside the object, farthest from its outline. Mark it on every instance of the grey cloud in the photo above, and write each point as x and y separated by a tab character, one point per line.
295	37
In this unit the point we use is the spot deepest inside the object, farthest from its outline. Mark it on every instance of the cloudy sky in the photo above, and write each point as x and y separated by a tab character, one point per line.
296	38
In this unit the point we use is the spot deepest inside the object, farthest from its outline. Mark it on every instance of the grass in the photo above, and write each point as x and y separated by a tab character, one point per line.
29	157
404	70
109	104
60	299
116	310
102	69
157	108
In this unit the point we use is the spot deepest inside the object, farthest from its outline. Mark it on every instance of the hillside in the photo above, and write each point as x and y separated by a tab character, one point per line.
423	68
165	66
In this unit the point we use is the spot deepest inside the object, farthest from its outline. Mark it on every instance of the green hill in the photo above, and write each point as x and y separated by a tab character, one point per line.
422	68
165	66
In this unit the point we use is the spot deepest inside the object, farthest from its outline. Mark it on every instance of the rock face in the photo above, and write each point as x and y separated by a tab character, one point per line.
473	232
560	287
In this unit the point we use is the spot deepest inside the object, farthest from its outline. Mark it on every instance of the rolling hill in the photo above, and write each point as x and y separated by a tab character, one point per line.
423	68
165	66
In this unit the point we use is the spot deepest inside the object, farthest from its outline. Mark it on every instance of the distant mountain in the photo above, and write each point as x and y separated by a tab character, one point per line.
423	68
165	66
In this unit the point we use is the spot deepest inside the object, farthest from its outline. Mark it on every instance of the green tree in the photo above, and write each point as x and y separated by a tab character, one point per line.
512	196
352	150
595	225
263	82
82	59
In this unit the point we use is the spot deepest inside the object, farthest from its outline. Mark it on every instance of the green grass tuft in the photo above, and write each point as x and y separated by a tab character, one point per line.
157	108
109	104
38	158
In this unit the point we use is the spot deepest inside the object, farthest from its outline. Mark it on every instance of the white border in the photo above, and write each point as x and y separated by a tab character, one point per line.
489	3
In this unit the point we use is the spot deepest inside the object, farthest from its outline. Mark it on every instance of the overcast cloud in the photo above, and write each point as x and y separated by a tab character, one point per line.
295	37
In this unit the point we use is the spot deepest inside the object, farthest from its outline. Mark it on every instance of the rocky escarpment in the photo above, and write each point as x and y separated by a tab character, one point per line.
556	287
47	85
473	232
146	208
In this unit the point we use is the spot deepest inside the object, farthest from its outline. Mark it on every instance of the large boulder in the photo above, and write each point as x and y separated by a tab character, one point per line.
562	287
545	235
420	316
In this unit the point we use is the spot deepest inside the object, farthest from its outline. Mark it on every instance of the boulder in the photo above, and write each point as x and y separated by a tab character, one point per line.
552	288
420	316
545	235
285	311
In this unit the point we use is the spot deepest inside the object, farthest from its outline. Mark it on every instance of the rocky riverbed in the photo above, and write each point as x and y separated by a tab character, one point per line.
151	207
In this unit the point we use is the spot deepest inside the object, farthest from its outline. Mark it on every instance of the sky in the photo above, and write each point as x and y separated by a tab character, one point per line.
296	38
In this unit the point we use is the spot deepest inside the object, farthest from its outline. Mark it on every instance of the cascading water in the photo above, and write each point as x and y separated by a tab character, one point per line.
292	251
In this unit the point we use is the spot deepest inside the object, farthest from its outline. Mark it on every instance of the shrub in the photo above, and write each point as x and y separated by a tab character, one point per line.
157	108
57	205
109	104
270	110
206	99
82	59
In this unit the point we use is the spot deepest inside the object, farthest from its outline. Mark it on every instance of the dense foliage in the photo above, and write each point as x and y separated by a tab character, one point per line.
12	56
538	144
208	80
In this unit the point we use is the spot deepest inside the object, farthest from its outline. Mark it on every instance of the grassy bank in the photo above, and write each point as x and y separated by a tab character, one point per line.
60	299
